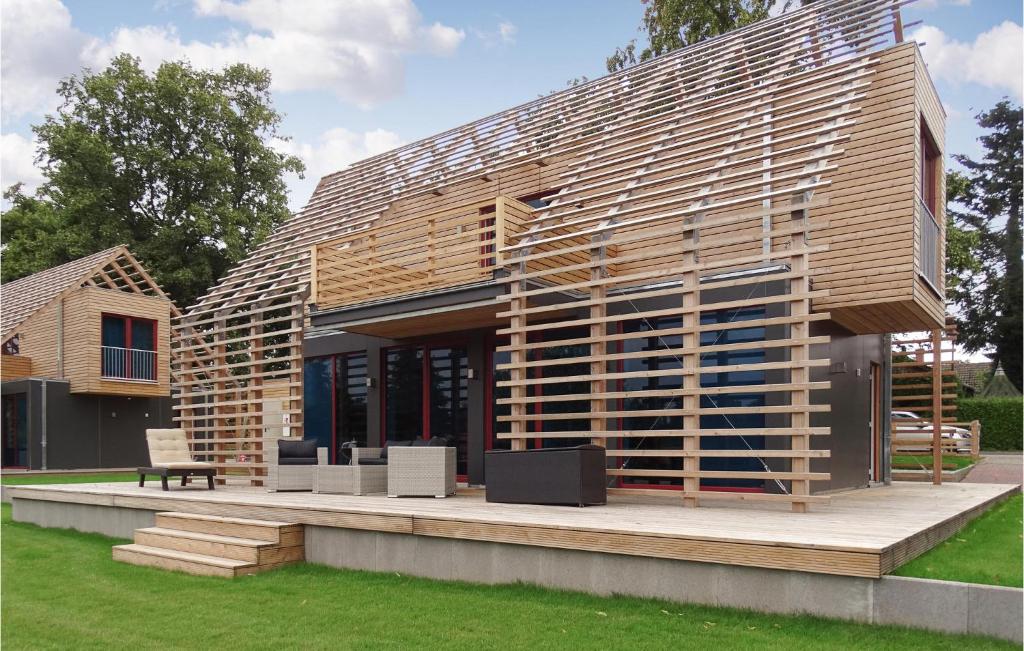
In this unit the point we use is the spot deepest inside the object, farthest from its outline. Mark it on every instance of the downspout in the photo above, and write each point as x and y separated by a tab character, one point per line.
885	458
42	422
60	338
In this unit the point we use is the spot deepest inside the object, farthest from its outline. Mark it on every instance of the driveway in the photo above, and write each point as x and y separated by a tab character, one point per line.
998	468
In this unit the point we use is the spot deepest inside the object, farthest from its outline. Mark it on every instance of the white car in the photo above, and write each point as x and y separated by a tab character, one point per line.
908	432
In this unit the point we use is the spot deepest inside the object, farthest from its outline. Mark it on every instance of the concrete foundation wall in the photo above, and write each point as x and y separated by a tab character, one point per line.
935	605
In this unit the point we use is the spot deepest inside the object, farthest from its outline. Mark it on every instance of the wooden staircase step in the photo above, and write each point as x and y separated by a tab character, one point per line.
242	549
282	533
172	559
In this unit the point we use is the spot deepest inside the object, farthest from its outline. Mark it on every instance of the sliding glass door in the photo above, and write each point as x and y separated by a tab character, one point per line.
426	394
334	400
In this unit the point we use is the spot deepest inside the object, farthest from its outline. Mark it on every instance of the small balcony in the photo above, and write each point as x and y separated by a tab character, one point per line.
128	364
415	255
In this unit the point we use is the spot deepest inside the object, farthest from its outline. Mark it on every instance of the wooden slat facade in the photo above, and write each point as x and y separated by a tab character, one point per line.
693	164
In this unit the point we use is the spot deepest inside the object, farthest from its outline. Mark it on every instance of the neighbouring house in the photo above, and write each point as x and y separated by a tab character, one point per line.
694	263
973	376
978	380
85	364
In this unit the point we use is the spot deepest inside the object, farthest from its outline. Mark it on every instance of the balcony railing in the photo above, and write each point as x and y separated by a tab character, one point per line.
129	364
417	254
932	264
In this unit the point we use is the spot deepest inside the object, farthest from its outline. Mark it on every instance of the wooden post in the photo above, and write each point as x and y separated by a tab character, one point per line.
598	310
799	374
937	406
313	273
517	338
691	369
975	439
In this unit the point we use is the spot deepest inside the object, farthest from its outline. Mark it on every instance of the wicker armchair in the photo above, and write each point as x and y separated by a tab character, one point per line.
421	471
291	477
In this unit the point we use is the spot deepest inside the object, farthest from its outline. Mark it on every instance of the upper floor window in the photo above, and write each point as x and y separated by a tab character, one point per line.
931	169
12	346
128	348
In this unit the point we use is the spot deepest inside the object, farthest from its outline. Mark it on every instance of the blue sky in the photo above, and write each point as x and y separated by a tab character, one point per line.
355	77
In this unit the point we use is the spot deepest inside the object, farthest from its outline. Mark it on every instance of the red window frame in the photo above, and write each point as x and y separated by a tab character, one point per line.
128	343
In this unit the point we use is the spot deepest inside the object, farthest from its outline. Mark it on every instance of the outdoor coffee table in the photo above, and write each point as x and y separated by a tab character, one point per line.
351	480
184	473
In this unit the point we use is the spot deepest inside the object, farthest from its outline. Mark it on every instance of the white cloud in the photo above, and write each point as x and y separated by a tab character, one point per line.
38	46
354	48
993	60
333	150
504	34
17	155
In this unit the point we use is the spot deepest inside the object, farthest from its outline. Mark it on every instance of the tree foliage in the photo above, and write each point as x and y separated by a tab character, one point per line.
671	24
176	164
985	206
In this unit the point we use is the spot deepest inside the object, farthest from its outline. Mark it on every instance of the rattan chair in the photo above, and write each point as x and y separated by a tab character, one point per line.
291	477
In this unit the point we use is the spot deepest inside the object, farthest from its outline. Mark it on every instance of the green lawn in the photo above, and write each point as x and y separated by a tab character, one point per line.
61	590
913	462
10	479
988	550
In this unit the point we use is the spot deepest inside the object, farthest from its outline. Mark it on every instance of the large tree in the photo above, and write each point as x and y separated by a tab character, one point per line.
176	164
986	204
671	24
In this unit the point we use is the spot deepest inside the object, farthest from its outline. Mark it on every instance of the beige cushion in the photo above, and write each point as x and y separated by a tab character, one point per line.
168	448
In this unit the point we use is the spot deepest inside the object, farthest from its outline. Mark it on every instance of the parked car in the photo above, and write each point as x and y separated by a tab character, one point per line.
908	432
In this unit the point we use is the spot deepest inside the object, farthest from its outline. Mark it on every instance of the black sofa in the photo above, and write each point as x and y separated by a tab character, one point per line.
572	476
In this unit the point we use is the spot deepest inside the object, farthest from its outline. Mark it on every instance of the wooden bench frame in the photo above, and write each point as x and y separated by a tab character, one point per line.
184	473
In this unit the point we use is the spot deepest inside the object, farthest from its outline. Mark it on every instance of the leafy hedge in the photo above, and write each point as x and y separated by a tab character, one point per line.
1001	420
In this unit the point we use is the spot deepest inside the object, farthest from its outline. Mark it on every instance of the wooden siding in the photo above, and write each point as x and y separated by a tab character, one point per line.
868	216
37	339
13	367
83	312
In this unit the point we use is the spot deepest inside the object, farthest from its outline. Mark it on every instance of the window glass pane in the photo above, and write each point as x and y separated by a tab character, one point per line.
316	400
403	396
114	331
449	392
350	398
15	431
142	334
654	343
498	393
741	421
563	388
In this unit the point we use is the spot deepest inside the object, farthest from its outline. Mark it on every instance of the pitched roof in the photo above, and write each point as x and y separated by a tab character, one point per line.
21	298
973	374
999	386
635	106
113	268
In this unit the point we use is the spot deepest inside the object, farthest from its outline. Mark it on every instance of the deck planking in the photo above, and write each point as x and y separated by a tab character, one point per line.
864	532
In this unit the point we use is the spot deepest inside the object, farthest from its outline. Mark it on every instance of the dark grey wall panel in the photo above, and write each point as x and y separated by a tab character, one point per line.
88	431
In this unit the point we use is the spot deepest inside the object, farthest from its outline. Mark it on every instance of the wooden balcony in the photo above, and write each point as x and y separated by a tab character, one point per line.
13	367
456	248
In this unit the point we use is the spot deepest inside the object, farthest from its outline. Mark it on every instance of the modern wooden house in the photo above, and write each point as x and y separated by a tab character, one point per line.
694	263
85	363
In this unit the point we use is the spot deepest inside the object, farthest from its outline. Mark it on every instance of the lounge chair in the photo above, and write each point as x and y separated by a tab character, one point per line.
169	456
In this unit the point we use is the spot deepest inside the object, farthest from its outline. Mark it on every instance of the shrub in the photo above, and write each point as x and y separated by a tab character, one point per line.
1001	420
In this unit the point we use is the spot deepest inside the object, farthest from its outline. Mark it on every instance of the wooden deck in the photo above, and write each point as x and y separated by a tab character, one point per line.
865	532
